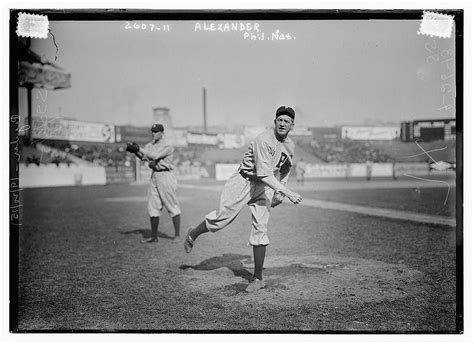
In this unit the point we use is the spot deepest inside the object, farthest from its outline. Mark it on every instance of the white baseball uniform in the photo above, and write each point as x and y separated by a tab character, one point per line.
163	183
265	156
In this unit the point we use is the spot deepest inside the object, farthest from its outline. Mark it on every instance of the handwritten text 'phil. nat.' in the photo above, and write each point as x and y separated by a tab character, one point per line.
251	31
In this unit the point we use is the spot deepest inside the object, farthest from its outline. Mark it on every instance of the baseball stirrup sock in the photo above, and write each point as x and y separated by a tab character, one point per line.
176	224
154	221
258	257
200	229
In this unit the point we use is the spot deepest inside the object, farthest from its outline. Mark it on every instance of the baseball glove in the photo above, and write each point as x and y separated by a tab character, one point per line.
133	147
152	165
277	198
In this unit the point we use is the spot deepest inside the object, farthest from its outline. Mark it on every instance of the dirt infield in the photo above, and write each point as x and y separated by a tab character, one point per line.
82	267
310	280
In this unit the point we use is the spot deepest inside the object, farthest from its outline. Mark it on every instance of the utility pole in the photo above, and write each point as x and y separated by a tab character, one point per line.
204	108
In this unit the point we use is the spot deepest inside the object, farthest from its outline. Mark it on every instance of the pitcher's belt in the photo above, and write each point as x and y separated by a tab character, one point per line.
248	176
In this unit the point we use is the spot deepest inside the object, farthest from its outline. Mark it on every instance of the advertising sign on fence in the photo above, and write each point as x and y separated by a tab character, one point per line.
325	170
176	137
231	141
370	133
63	129
413	169
382	170
202	139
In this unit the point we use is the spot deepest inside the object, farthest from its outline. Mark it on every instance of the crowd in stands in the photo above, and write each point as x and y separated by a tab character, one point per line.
35	159
99	154
112	155
190	154
44	159
347	151
194	156
30	155
189	160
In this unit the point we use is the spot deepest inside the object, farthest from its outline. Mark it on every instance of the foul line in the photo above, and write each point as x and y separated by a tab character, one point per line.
381	212
359	209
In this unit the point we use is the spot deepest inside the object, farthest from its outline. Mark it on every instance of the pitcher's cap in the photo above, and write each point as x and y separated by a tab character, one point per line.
285	110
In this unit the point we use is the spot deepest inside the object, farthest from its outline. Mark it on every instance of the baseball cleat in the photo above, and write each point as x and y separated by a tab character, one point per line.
255	285
189	242
149	240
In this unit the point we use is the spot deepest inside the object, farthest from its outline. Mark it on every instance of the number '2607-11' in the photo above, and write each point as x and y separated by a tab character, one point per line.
147	26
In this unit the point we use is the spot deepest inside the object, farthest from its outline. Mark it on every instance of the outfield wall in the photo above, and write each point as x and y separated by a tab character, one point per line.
51	175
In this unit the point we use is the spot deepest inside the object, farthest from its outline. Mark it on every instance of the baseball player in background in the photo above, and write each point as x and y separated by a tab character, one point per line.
300	171
163	183
259	182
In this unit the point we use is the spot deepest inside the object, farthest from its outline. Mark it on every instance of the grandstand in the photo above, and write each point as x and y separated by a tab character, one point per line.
217	155
31	155
312	151
411	152
342	151
327	152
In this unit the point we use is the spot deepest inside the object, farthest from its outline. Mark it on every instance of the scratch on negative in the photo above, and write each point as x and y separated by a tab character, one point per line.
434	181
54	41
425	152
416	142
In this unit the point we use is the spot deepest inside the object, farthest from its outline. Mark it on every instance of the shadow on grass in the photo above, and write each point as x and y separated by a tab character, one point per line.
228	260
146	233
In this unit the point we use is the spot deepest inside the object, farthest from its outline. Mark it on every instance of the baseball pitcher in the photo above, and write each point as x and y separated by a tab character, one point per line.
259	182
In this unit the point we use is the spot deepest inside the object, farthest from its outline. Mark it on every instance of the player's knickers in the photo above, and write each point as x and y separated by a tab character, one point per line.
238	192
162	193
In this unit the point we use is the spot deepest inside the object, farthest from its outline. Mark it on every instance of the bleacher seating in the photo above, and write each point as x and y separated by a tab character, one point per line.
32	155
312	151
341	151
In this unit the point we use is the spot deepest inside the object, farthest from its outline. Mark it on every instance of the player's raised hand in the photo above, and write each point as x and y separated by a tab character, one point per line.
294	197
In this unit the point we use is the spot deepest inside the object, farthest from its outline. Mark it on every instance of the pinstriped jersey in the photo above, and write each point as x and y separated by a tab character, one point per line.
266	155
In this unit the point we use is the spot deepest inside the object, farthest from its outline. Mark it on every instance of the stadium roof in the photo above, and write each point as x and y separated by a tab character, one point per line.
38	72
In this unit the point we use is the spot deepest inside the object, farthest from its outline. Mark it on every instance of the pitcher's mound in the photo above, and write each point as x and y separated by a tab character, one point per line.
310	279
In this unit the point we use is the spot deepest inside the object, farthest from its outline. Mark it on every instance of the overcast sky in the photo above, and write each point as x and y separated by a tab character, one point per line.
332	72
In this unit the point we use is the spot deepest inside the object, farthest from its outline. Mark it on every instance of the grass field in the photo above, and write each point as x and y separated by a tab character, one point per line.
82	267
422	200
